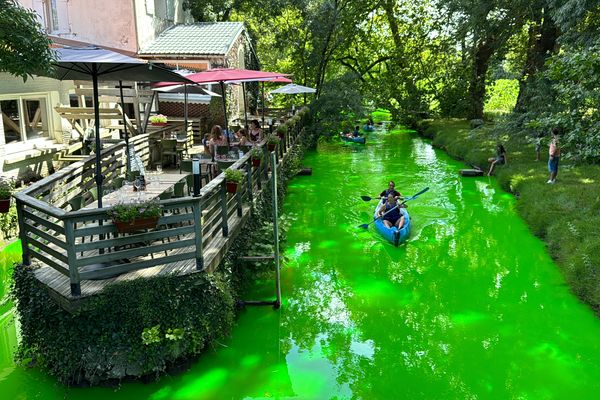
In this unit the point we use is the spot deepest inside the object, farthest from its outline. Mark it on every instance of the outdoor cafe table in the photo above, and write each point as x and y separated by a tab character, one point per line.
156	184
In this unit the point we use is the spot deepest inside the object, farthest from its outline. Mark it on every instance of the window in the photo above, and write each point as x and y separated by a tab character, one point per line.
24	119
57	16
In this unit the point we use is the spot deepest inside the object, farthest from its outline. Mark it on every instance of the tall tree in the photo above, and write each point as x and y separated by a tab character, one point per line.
24	48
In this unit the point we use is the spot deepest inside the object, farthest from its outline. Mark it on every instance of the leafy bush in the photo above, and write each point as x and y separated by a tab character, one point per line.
7	187
273	139
282	129
256	153
234	175
502	95
130	329
131	211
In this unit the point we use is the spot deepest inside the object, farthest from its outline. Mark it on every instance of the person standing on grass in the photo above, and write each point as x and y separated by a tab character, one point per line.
554	153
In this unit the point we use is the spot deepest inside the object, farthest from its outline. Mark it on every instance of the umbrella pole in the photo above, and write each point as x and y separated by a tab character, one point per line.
99	177
128	161
263	103
245	105
225	109
185	114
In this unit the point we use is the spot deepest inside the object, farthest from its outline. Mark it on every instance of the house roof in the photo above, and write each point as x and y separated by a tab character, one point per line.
202	38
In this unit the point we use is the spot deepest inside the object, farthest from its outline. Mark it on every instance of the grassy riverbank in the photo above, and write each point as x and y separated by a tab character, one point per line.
565	215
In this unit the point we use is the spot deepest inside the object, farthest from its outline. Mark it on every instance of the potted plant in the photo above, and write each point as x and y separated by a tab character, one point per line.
158	120
233	178
7	187
256	155
272	142
132	217
281	131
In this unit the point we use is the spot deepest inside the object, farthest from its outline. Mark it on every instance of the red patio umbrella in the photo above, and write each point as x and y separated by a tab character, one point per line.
222	75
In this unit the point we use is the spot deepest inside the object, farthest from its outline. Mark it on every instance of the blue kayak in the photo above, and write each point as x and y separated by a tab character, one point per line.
357	139
393	235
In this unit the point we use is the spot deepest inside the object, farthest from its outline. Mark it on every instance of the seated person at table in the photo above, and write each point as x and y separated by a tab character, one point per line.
390	190
206	143
356	132
242	137
390	213
216	139
255	134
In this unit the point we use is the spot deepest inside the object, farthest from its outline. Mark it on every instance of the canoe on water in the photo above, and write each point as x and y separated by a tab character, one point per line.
368	128
471	172
358	139
393	235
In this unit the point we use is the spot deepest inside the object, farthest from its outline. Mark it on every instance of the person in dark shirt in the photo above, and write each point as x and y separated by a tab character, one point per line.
356	132
390	212
390	190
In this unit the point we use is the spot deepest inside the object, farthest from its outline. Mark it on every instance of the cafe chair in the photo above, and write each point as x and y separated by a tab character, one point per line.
168	149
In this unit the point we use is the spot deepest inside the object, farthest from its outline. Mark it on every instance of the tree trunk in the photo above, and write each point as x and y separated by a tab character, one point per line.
542	44
481	61
400	62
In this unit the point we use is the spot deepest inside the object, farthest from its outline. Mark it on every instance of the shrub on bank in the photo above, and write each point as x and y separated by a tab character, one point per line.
565	215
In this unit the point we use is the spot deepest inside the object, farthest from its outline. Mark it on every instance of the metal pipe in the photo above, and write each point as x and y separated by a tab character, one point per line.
245	105
225	109
99	177
127	155
275	229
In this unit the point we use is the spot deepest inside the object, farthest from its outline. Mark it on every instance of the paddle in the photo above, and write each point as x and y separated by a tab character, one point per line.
389	211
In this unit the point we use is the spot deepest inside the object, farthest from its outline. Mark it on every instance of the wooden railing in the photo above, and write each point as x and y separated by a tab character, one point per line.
85	244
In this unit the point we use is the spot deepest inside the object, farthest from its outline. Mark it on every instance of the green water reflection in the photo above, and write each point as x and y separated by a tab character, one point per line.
471	307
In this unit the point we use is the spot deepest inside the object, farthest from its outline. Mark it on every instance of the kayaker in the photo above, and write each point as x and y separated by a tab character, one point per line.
390	213
390	190
356	132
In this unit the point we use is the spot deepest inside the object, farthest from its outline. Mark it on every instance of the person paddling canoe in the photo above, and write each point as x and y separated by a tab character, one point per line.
390	190
390	211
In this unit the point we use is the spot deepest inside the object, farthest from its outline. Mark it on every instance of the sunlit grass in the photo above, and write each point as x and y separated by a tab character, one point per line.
566	215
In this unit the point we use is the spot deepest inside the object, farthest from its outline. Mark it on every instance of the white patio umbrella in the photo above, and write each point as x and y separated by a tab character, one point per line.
292	88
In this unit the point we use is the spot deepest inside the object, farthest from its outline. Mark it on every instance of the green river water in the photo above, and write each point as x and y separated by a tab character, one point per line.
472	307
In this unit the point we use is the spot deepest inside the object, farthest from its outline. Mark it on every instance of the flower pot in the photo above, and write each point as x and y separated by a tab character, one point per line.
158	123
232	187
256	162
271	146
137	224
4	205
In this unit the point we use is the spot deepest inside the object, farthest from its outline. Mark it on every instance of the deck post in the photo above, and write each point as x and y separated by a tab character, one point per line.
266	157
197	210
23	234
224	218
249	182
72	257
275	229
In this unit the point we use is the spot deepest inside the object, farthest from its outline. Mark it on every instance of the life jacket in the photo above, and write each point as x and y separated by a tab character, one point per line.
394	214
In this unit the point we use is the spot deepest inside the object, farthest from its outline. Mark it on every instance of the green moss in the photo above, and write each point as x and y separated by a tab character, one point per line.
565	215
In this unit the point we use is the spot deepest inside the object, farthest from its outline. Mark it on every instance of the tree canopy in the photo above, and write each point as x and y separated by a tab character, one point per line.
535	62
24	48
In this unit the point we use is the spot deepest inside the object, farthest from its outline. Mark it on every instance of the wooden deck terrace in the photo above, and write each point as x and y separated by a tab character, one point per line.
76	254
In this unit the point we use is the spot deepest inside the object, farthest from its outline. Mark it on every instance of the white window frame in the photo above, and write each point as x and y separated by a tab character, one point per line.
17	146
